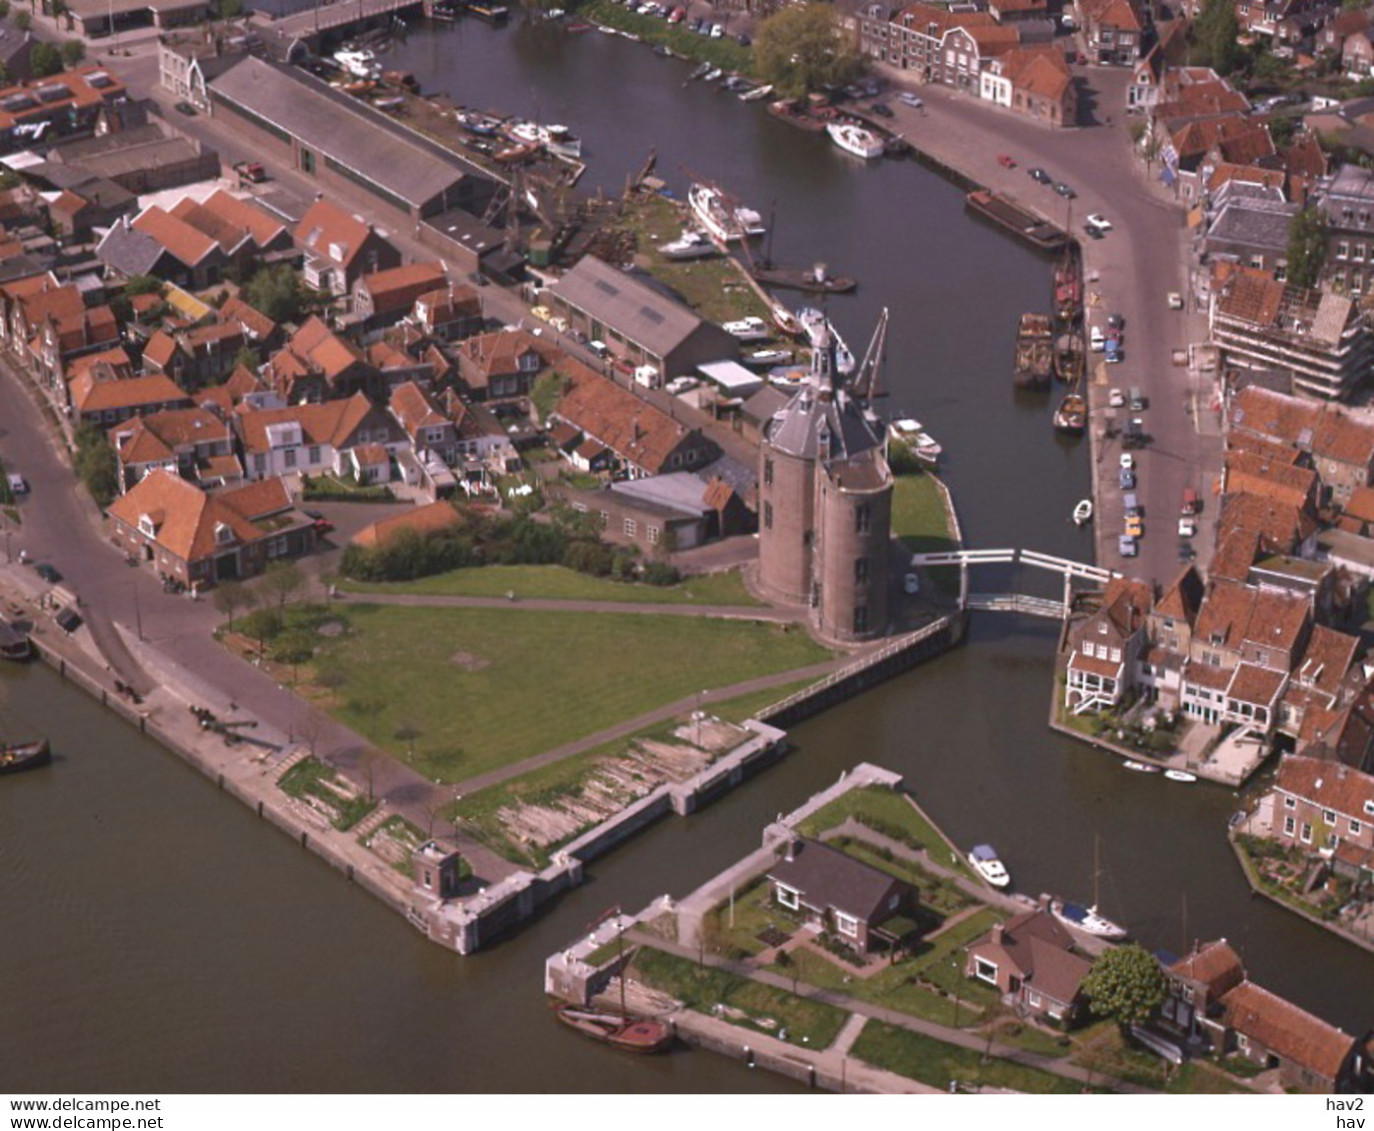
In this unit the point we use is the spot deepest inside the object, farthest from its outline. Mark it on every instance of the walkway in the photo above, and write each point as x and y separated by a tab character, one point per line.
959	1037
568	605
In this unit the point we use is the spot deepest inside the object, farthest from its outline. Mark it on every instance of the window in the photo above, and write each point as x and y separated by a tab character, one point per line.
1290	802
631	527
860	618
652	532
985	970
1328	817
788	897
1306	836
768	516
1089	649
860	571
863	518
314	453
768	472
1116	655
1369	808
1289	825
847	924
289	457
1355	827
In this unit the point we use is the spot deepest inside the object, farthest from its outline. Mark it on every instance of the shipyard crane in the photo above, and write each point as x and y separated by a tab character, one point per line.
865	380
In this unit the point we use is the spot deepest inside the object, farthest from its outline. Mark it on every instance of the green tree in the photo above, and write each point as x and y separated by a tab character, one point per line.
1126	985
281	582
1214	37
276	292
246	358
229	598
72	52
801	49
95	465
44	60
143	285
1306	247
4	9
230	9
23	21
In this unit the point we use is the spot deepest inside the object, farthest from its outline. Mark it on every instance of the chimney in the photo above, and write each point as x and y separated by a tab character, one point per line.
790	850
997	935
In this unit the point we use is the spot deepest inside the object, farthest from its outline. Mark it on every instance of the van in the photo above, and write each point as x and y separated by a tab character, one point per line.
648	376
17	484
1132	504
1190	502
599	348
1136	399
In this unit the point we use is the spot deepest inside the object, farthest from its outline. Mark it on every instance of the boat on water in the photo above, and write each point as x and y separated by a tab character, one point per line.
558	140
1034	352
1071	417
700	73
816	278
633	1035
751	329
854	138
921	443
1086	919
1015	219
1068	291
796	113
1083	512
14	642
758	94
987	864
1068	357
689	245
359	62
1139	767
712	74
785	320
17	756
726	221
821	332
1180	776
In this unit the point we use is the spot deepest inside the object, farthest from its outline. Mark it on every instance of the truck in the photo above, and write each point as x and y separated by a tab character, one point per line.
250	172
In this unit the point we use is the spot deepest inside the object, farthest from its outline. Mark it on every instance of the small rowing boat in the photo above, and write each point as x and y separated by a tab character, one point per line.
1140	767
1180	775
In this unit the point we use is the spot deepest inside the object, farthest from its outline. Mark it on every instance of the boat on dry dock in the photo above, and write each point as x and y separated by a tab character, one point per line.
722	218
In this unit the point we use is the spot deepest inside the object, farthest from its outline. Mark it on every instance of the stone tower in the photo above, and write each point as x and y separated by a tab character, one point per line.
825	506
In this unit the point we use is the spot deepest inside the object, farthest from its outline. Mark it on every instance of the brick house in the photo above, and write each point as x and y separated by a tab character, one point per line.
1193	990
380	298
1310	1054
429	428
1031	961
1103	648
840	894
1112	30
449	314
317	364
1321	805
192	442
1339	446
314	438
106	402
200	538
339	248
502	365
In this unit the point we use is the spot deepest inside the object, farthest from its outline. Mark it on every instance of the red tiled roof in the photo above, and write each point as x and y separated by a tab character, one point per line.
1282	1027
1330	785
1214	965
413	407
398	287
187	518
101	396
332	422
331	233
187	244
422	520
1281	482
1256	685
634	429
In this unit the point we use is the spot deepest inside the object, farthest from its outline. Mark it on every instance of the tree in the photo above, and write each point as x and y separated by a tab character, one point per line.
230	9
95	465
407	732
72	52
246	358
801	49
1126	984
44	59
229	598
276	292
143	285
331	679
4	9
283	580
1306	247
295	647
23	21
1215	34
371	761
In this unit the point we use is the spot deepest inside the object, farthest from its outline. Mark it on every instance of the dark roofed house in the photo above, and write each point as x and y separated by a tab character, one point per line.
1031	961
638	324
840	894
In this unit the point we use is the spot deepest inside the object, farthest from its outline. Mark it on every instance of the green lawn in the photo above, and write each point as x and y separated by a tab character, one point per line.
754	912
933	1062
560	583
937	893
311	777
1102	1048
766	1009
481	688
889	812
920	520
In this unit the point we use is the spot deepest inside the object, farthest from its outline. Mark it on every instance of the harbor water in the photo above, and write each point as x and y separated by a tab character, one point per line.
160	937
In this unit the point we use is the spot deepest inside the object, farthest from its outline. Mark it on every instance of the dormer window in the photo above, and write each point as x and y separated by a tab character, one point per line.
1102	628
146	526
224	534
1218	638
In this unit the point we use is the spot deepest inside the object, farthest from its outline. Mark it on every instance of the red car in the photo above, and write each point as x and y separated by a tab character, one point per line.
1006	162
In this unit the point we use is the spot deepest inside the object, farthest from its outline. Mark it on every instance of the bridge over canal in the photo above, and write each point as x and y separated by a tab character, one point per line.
1023	603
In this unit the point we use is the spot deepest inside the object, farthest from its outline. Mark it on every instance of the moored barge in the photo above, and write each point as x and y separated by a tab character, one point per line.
1015	219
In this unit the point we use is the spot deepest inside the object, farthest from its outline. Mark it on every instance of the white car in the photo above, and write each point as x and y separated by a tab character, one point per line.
1098	222
1116	399
717	31
1127	461
1187	526
1097	340
682	385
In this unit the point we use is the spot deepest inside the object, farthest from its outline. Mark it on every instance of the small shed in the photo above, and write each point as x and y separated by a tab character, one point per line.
731	378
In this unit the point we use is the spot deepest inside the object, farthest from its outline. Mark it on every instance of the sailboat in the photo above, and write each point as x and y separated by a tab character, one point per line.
633	1034
1088	919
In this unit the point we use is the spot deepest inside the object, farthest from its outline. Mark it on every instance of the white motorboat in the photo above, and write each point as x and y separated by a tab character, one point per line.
986	863
853	138
1083	512
721	219
359	62
711	75
1180	776
1086	919
820	331
750	329
689	245
758	94
558	140
767	358
1139	767
922	444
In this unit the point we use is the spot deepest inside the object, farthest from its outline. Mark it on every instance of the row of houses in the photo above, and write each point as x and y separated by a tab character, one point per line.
1039	971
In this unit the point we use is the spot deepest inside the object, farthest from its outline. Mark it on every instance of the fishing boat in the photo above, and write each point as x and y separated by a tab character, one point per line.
1180	776
700	73
1139	767
558	140
725	221
784	319
758	94
689	245
767	358
1083	512
1034	352
1068	291
359	62
987	864
921	443
792	111
751	329
1038	233
855	139
1088	919
1071	417
632	1035
712	74
14	642
18	756
1068	357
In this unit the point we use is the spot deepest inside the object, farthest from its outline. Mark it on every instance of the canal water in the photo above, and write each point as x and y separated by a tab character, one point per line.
158	936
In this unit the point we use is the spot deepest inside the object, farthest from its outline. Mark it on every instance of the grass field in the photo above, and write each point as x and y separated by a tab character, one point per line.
464	691
559	583
920	520
932	1062
889	812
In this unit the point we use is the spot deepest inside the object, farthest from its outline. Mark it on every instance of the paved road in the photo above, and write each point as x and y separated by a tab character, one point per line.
1132	270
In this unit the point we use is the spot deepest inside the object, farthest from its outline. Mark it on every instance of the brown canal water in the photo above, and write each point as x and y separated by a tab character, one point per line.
158	936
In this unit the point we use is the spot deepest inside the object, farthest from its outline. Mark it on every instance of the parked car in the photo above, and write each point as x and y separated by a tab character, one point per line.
187	109
47	573
1135	526
1116	399
1175	300
1187	526
1092	233
1038	174
18	485
1098	222
1127	461
1113	350
1065	191
1126	546
1115	322
717	31
909	99
1125	479
743	40
882	109
681	385
1186	553
1096	339
1006	161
